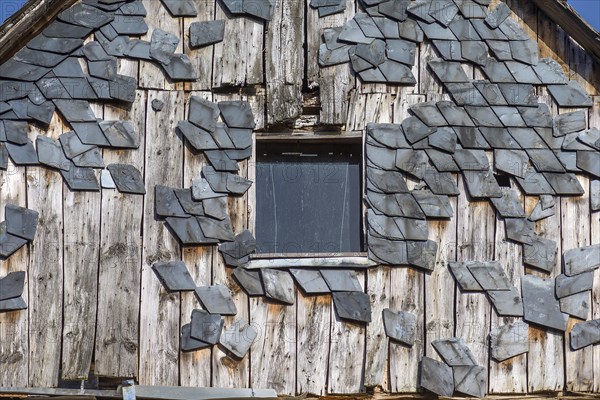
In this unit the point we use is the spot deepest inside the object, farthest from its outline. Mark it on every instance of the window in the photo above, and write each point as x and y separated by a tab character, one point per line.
308	197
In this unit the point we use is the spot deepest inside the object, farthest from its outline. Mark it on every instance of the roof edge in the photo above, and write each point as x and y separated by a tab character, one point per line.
573	24
26	23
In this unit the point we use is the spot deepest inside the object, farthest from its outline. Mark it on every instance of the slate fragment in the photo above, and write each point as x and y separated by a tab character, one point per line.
352	306
21	221
339	280
490	275
570	285
238	338
11	285
470	380
585	334
540	253
50	153
174	276
508	341
310	281
206	327
14	304
22	154
127	178
570	95
83	179
206	33
436	377
237	114
507	303
120	134
539	303
180	8
454	351
188	343
463	276
278	285
163	45
576	305
400	326
582	259
166	203
216	299
249	281
157	105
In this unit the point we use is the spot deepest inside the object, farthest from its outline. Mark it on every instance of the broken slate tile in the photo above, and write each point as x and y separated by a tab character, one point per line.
206	33
564	184
550	72
570	285
490	275
539	304
540	253
14	304
249	281
127	178
465	279
448	72
311	281
9	244
519	230
174	276
72	146
509	205
11	285
352	306
585	334
576	305
216	299
180	8
120	134
341	280
400	326
243	245
216	229
188	231
188	343
436	377
508	341
21	221
421	253
22	154
163	45
454	352
507	303
569	122
238	338
166	203
237	114
470	380
50	153
75	110
582	259
433	205
570	95
206	327
390	252
278	285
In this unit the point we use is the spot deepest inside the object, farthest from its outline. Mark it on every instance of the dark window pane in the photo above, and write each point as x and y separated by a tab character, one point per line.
308	198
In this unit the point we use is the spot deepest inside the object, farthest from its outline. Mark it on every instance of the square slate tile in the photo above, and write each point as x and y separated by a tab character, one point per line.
216	299
278	285
127	178
174	276
206	327
508	341
436	377
539	303
352	306
585	334
454	352
400	326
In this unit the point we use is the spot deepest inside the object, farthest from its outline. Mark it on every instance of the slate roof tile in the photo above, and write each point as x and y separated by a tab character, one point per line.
216	229
456	116
475	51
471	137
441	183
585	334
206	327
400	326
420	9
435	31
121	134
310	281
470	380
188	231
508	341
509	205
465	279
422	254
569	122
127	178
523	73
512	30
539	304
216	299
22	154
470	9
75	110
249	281
466	94
38	57
485	32
174	276
279	285
454	352
400	50
464	30
570	95
58	29
188	343
11	285
448	72
507	303
50	153
450	50
500	49
387	181
433	205
13	304
525	51
497	15
412	162
497	72
576	305
443	162
390	252
394	9
81	179
383	226
353	306
589	161
550	72
340	280
444	139
481	184
540	253
181	8
436	377
54	45
166	203
238	338
581	260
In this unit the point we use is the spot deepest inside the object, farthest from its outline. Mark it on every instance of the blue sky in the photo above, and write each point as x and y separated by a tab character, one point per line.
589	9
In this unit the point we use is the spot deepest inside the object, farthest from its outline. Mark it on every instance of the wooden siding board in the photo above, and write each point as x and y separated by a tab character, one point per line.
44	194
594	121
159	310
117	327
379	287
202	58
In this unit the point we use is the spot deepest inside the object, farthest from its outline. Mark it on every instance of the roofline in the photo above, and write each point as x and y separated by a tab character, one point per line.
28	22
573	24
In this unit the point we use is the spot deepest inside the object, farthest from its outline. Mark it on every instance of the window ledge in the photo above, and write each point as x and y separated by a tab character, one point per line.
355	262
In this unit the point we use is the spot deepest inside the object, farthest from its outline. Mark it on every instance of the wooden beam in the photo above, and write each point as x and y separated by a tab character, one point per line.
568	19
31	19
328	262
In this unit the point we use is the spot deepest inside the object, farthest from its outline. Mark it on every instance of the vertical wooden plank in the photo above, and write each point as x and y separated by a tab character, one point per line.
202	58
552	41
583	68
509	376
81	213
334	82
312	346
117	327
284	62
151	73
159	310
346	353
379	289
428	83
14	326
238	59
575	232
594	121
475	241
44	194
195	367
407	295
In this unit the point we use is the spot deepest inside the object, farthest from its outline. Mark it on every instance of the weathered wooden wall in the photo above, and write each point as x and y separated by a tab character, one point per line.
94	274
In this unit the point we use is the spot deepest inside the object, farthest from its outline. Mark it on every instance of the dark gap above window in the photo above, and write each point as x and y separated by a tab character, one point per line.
503	180
308	198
